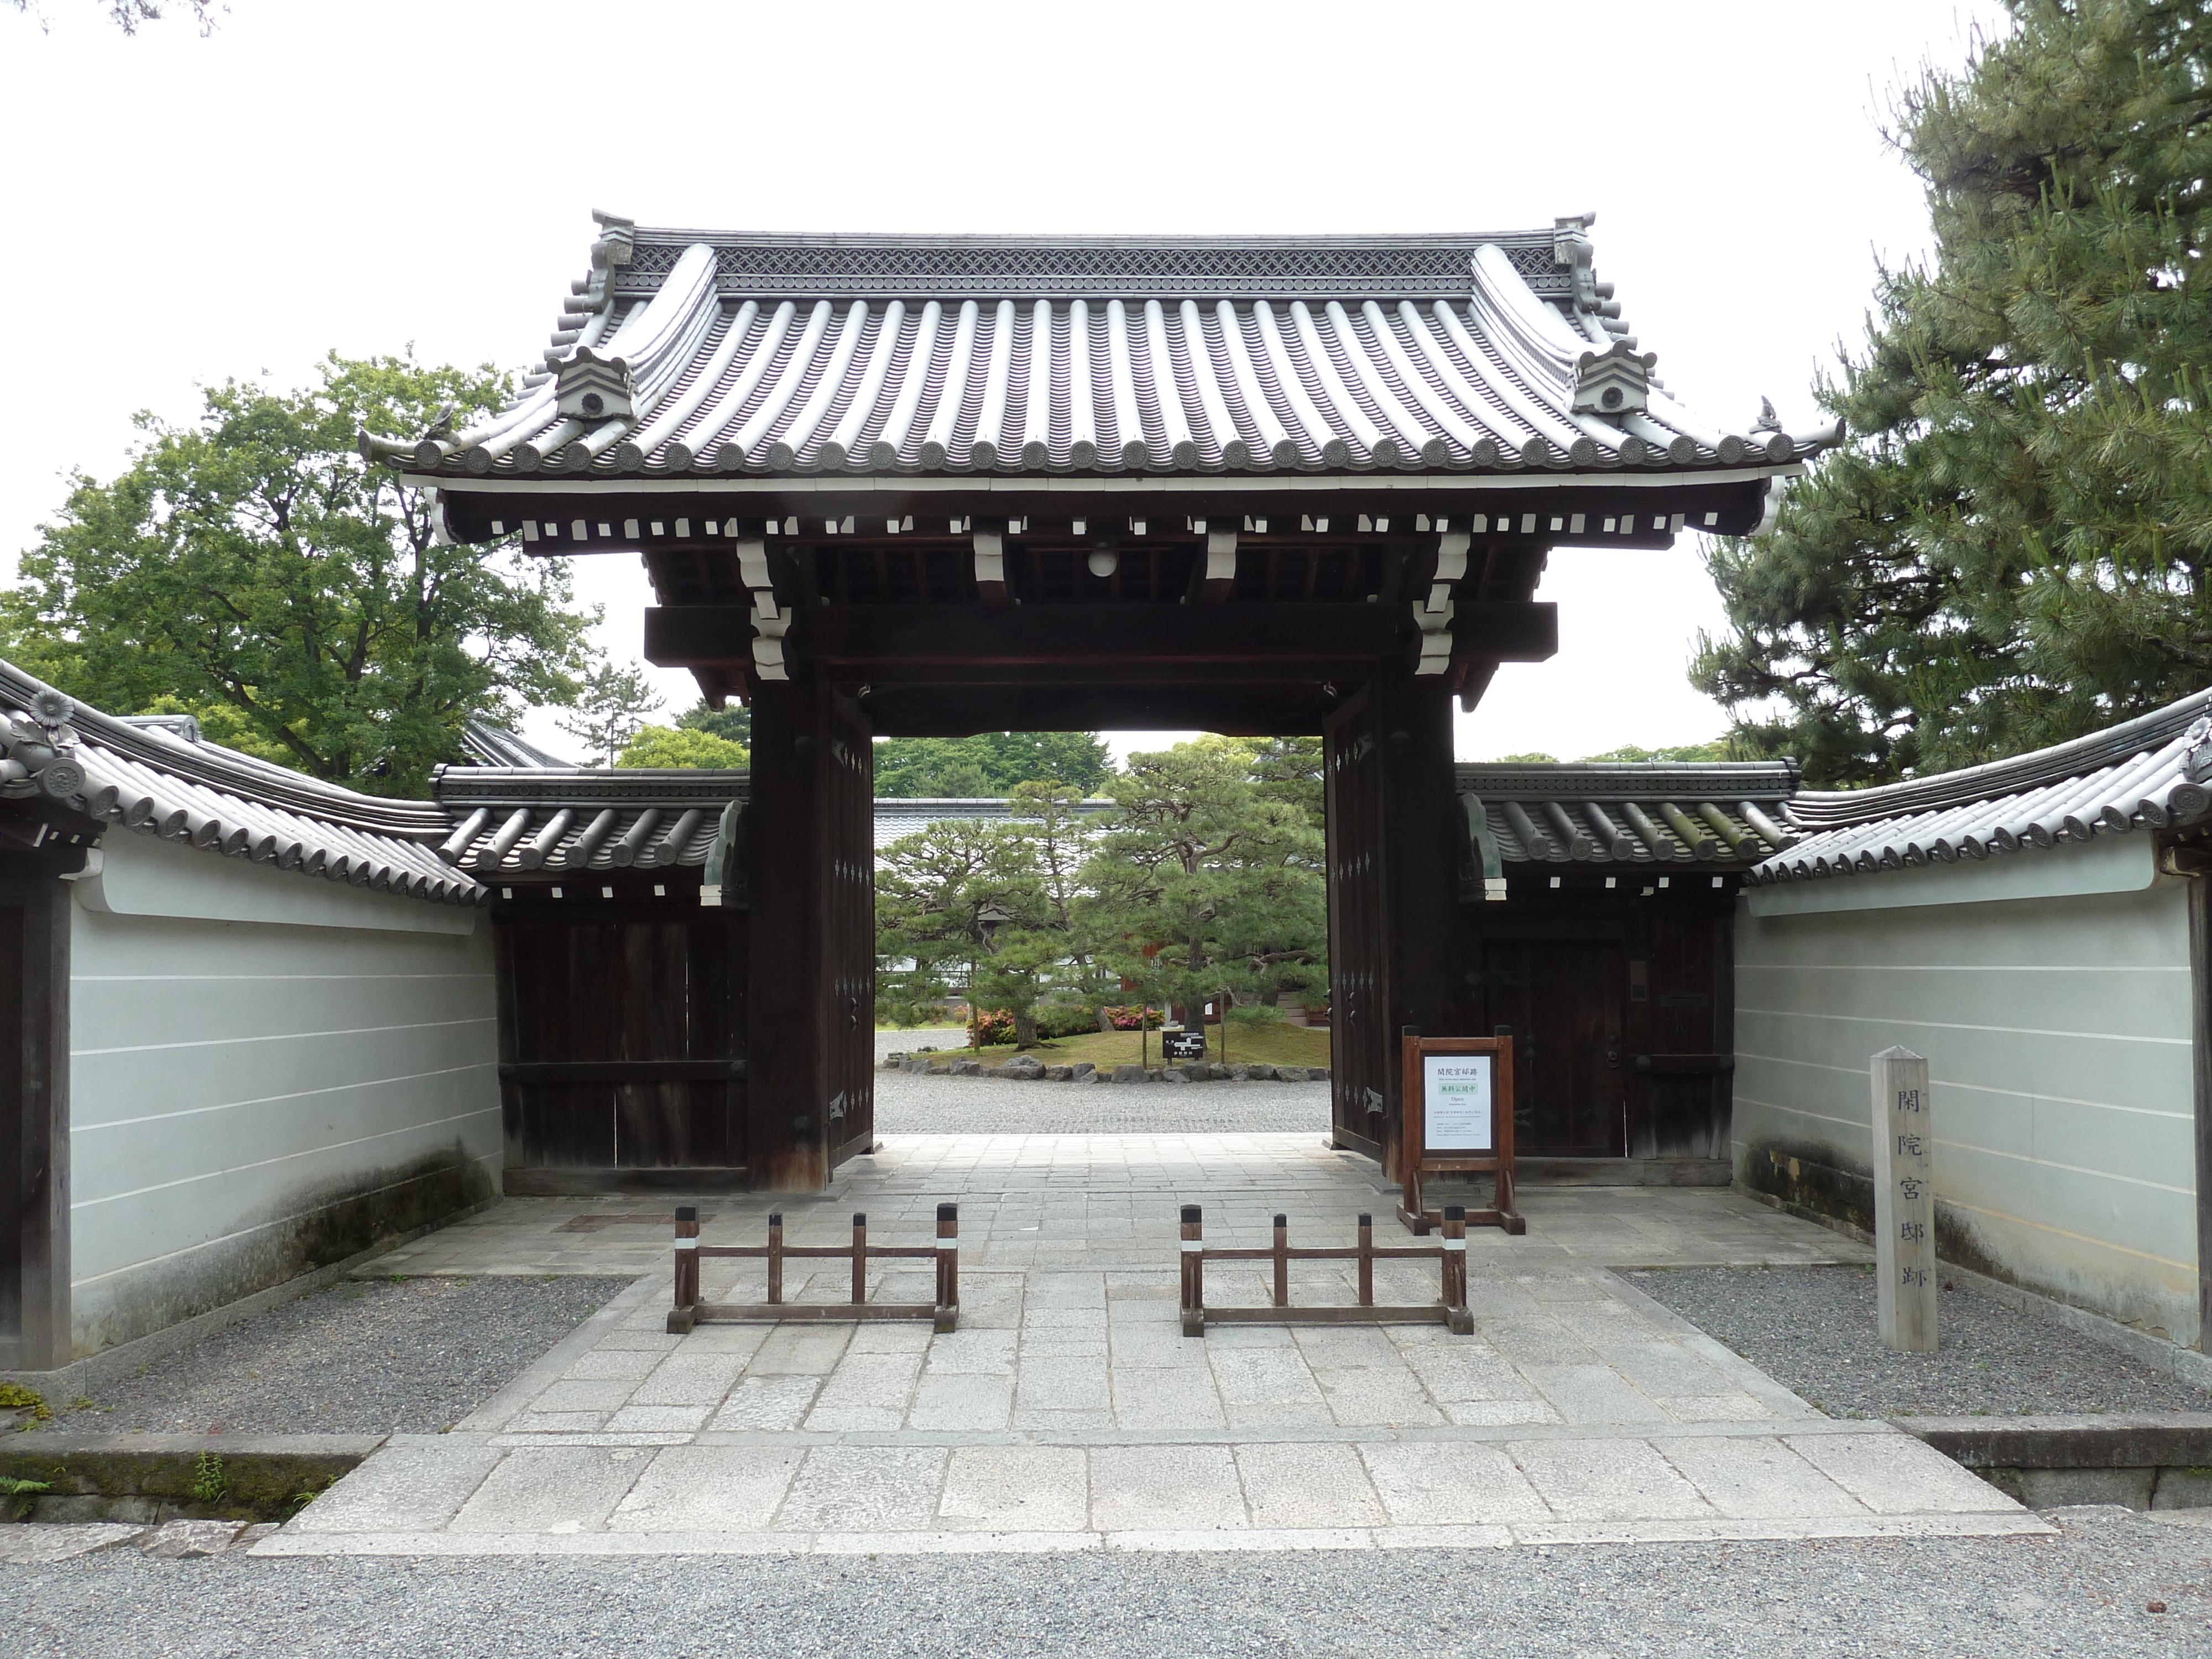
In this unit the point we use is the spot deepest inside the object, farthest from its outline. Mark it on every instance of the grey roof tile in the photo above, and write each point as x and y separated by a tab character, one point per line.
697	352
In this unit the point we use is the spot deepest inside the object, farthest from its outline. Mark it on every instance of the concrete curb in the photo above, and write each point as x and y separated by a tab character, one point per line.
2140	1460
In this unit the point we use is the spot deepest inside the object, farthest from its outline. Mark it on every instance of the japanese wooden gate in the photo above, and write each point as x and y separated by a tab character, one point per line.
915	487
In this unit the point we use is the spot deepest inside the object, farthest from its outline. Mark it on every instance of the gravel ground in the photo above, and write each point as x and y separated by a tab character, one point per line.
1813	1328
907	1103
2084	1593
410	1356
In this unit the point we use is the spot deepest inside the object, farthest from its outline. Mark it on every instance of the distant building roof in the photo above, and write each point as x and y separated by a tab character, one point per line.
522	820
1726	815
897	818
159	777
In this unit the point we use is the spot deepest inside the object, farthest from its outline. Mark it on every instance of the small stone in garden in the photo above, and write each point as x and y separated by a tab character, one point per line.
1130	1073
2153	1607
175	1540
1239	1073
1022	1068
1291	1073
36	1543
1059	1073
1173	1074
1317	1073
1084	1071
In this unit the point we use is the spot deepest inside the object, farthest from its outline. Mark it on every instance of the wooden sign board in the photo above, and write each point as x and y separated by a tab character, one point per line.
1458	1095
1183	1045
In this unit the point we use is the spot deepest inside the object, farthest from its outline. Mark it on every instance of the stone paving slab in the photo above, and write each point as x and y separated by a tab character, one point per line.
1068	1410
1846	1481
1031	1200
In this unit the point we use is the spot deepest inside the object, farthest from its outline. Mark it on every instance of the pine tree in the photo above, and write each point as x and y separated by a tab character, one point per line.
2016	545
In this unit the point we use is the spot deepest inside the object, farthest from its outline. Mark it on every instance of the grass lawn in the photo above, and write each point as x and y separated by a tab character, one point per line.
1269	1045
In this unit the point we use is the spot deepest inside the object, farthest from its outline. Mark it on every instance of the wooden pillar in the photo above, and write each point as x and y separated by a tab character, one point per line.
34	1110
1393	851
810	945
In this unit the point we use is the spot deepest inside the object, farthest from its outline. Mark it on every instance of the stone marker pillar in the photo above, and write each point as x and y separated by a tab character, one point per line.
1904	1202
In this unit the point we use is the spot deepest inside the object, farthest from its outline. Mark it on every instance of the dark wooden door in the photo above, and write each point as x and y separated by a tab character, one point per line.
1564	1000
1359	1044
1681	1030
13	1209
619	1028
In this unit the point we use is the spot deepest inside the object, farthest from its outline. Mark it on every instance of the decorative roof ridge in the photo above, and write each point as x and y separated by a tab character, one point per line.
610	782
1773	781
685	235
978	800
251	780
1825	809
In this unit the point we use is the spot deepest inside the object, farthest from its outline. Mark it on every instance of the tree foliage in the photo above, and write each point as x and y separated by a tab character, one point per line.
989	763
611	710
251	570
1204	882
2016	545
733	722
683	745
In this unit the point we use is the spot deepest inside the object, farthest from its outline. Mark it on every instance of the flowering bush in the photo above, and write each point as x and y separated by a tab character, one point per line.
1129	1019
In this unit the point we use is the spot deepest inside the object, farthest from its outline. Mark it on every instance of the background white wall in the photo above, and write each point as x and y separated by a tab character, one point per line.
252	1098
2056	1026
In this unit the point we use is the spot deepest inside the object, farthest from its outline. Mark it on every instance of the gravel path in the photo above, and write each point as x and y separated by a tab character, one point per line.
908	1103
1813	1329
2085	1593
361	1357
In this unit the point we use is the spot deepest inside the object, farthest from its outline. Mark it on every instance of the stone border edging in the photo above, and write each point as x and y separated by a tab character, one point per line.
2171	1358
1027	1069
2141	1460
83	1375
153	1477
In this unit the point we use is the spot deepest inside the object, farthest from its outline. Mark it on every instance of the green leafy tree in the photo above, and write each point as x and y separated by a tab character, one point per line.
2016	545
1292	770
733	722
1719	749
989	763
250	567
1202	883
959	902
683	745
611	709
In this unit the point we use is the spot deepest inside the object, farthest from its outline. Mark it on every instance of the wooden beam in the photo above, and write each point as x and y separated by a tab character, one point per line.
1270	642
1286	709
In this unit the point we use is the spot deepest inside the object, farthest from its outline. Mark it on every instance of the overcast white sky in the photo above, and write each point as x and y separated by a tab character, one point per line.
180	209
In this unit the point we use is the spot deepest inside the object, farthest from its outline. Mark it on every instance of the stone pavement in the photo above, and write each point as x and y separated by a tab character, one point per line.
1068	1411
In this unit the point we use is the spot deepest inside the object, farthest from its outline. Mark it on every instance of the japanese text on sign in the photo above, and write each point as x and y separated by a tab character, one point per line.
1456	1101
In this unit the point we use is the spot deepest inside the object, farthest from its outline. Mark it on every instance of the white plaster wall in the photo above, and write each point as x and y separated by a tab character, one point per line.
2050	991
248	1097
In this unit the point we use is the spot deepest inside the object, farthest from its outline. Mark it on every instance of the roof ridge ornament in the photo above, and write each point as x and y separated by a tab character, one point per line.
39	744
595	388
2196	751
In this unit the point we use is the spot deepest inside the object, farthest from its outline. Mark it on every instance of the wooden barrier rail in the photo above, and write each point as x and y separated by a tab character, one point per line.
1451	1255
691	1311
